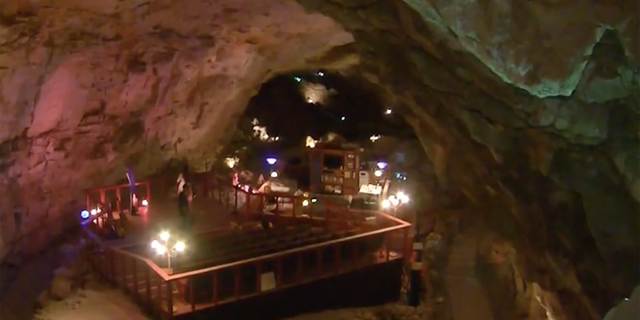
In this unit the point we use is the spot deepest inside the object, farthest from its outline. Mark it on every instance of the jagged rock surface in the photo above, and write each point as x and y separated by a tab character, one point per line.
529	108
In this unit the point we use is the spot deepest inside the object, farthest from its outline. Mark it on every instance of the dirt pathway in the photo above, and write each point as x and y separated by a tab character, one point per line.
468	298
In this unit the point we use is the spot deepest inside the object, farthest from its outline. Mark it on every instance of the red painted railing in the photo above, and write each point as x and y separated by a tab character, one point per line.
168	295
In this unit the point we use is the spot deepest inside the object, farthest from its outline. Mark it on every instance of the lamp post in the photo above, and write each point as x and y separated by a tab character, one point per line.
163	247
395	201
271	162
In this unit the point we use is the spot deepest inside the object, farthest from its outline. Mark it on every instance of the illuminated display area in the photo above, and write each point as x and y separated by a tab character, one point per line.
335	169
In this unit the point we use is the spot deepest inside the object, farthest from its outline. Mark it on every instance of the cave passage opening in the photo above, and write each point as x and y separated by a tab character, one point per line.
293	109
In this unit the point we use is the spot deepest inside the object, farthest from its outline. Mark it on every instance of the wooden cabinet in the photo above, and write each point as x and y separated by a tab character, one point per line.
334	170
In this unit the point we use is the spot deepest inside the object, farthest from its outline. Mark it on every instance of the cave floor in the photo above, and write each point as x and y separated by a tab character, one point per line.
467	296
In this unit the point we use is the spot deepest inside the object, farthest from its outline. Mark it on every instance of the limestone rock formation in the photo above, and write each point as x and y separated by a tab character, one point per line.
529	108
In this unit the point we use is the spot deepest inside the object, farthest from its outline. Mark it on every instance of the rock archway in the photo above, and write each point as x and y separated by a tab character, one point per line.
530	109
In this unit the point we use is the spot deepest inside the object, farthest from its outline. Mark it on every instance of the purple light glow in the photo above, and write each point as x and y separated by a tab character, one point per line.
272	161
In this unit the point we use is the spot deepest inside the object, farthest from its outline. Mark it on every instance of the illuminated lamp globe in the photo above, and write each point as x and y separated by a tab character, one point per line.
164	236
274	174
84	214
161	249
272	161
386	204
403	197
378	173
145	202
180	246
381	165
230	162
305	203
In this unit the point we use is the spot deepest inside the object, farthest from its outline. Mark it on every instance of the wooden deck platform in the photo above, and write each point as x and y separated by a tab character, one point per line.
208	215
223	264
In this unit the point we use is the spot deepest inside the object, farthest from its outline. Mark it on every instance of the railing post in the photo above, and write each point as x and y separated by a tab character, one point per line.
319	262
235	198
148	283
135	279
114	270
295	205
215	288
354	257
405	245
387	244
169	299
107	264
205	184
299	267
123	263
118	197
247	206
327	212
236	283
336	257
258	277
278	272
148	189
193	299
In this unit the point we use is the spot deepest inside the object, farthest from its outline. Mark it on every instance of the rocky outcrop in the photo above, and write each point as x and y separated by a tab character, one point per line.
530	109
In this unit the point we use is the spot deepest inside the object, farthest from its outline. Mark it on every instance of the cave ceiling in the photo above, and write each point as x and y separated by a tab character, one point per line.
511	100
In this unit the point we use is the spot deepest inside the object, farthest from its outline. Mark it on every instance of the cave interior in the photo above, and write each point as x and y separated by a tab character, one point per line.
528	110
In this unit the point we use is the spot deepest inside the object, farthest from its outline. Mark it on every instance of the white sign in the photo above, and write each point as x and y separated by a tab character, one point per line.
371	189
267	281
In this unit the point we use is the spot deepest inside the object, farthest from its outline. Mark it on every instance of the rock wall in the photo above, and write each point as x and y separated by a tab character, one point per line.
530	109
89	88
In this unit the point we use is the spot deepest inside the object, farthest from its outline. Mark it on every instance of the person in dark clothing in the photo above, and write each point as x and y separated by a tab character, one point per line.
133	196
184	203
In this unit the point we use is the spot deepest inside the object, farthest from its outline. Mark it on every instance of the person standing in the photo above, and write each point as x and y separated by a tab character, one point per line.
184	205
185	198
133	197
